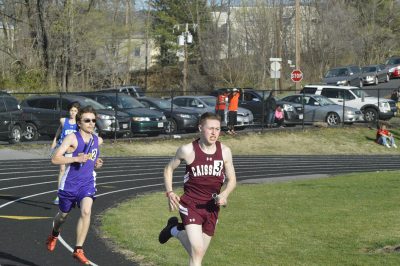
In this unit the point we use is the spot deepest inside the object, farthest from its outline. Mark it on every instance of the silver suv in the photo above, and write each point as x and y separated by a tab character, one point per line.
372	107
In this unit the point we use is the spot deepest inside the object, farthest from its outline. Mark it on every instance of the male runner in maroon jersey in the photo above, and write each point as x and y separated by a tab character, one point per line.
208	162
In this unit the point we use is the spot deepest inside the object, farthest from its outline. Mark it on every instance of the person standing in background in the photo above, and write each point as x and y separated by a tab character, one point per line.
232	110
270	106
222	99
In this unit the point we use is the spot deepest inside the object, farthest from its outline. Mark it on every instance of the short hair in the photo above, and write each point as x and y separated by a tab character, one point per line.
209	116
74	104
84	110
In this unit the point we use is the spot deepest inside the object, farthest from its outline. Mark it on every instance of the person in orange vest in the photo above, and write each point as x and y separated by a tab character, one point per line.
222	99
233	108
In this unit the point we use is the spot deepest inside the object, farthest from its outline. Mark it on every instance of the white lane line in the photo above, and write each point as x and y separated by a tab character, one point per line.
70	249
62	241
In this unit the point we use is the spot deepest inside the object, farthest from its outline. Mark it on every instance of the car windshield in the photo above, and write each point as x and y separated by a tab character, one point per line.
210	101
337	72
263	93
93	103
164	104
360	93
368	69
323	101
393	61
126	102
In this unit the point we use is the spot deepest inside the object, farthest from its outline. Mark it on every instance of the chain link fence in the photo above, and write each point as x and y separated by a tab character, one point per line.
129	113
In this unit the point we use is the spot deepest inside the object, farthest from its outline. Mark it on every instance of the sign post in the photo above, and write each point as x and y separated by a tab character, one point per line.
275	69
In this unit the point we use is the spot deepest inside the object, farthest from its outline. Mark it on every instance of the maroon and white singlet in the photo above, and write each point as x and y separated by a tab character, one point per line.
204	176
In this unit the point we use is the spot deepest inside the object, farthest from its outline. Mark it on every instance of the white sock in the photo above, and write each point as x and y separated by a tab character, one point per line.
174	231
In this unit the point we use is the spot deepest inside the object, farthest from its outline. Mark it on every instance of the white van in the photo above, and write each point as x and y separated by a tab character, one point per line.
372	107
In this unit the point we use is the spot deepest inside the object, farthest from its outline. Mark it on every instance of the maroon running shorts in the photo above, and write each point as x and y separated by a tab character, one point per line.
204	214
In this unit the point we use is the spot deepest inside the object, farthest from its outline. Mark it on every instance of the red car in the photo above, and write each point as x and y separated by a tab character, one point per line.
393	66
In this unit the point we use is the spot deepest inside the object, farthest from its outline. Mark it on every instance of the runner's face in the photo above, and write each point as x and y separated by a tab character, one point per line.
210	130
72	112
88	122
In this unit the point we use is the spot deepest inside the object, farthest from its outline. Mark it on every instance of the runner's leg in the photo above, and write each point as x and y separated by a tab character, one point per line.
197	243
60	218
84	220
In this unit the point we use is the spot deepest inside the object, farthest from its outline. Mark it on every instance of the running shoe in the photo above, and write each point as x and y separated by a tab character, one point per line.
80	256
51	242
56	201
165	234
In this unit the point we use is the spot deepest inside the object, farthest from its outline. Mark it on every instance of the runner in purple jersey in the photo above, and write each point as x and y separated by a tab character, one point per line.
208	162
67	126
77	186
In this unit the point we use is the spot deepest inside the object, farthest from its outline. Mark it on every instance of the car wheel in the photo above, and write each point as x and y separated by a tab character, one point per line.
16	134
31	133
333	119
172	126
376	81
370	115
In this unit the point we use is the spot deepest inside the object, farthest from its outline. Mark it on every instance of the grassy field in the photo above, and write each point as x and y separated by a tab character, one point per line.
348	140
344	220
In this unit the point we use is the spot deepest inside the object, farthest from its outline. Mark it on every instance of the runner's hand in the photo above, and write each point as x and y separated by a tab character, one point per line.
173	201
222	200
99	163
82	158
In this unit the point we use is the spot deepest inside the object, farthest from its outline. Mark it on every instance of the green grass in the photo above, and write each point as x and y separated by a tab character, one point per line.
348	140
343	220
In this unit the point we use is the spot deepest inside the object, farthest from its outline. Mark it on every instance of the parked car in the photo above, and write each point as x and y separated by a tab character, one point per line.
344	76
143	120
207	103
43	114
180	119
134	91
372	107
12	125
393	66
254	100
373	74
318	108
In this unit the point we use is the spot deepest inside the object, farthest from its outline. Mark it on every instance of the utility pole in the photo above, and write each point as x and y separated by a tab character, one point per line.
184	39
298	21
229	29
147	46
129	43
185	62
278	40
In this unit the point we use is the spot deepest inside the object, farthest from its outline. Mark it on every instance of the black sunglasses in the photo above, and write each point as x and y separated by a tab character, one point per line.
89	120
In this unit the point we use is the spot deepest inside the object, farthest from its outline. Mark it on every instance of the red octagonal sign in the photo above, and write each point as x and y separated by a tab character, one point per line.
296	75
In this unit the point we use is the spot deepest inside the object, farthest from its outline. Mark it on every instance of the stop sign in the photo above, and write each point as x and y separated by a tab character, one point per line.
296	75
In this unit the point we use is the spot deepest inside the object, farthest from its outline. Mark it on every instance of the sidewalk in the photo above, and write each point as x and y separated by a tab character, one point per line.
10	154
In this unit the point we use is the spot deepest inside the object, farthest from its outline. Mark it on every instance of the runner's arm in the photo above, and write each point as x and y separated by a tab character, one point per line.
69	144
99	162
173	199
58	132
230	174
